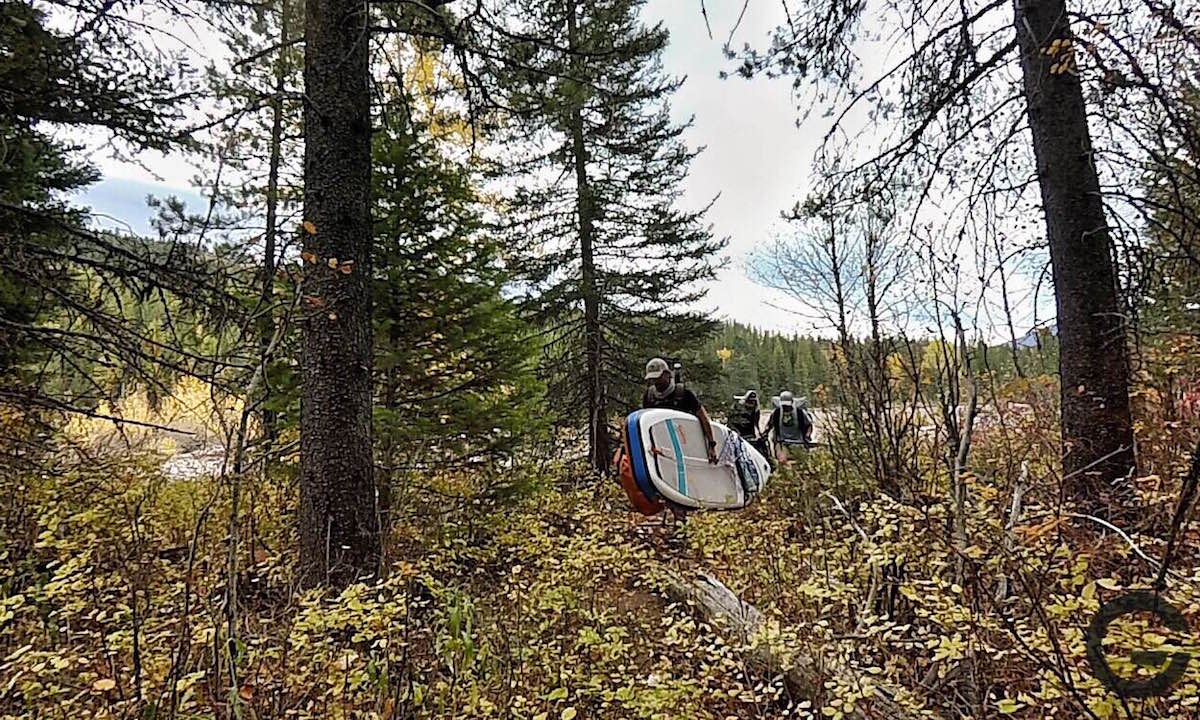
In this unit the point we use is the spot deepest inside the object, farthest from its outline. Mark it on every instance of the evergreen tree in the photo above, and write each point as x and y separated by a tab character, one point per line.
767	362
1172	290
453	363
1097	422
34	172
781	369
802	366
339	520
64	288
260	155
762	361
821	371
611	265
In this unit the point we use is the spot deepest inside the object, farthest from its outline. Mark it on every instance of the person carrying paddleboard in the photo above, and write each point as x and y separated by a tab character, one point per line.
664	392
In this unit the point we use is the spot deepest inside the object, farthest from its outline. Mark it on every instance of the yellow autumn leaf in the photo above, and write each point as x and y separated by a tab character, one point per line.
333	263
569	713
310	228
104	685
1089	591
308	257
1008	706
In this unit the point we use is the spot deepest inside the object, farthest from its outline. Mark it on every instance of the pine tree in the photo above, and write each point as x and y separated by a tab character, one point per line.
1097	422
339	522
455	383
802	365
260	150
611	265
766	369
789	363
781	369
34	170
64	289
1167	316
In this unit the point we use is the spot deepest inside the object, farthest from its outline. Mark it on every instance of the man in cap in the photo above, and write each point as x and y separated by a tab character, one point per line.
790	422
664	392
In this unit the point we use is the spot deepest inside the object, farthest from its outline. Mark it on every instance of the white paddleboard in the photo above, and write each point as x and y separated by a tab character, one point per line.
672	448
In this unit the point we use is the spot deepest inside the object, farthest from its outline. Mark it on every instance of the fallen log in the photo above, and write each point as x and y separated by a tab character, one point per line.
803	675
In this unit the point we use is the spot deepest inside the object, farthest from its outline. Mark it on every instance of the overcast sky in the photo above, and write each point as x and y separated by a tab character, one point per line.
755	159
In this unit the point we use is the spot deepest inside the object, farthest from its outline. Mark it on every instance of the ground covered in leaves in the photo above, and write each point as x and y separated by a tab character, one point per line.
536	594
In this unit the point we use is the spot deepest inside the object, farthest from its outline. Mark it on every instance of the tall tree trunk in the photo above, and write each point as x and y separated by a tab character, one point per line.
339	526
387	457
1096	424
597	400
963	445
267	330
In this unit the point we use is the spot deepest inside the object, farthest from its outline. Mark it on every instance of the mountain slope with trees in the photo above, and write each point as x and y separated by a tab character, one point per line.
766	362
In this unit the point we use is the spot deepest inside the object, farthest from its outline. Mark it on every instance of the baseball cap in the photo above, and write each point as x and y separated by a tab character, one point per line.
655	368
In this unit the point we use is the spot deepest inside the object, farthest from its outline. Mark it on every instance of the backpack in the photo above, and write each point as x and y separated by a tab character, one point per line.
671	402
792	426
743	420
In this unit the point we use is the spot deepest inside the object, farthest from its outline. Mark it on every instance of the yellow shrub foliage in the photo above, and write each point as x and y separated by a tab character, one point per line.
544	604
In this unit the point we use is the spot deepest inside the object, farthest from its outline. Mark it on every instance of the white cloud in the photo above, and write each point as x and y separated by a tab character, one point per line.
755	157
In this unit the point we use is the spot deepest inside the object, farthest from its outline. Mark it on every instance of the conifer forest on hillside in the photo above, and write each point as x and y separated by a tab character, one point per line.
392	360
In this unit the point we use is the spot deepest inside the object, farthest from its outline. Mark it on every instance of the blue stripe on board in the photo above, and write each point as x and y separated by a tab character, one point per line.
679	471
637	456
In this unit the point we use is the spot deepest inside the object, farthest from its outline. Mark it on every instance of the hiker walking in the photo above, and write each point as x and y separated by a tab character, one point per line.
790	424
745	415
664	392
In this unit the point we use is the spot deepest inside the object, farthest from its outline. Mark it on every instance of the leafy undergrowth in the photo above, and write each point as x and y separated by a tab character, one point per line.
540	599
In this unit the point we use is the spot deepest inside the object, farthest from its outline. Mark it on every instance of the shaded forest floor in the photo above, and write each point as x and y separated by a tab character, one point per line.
534	595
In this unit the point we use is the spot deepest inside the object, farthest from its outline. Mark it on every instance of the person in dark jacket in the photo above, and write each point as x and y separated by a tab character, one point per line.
664	392
745	415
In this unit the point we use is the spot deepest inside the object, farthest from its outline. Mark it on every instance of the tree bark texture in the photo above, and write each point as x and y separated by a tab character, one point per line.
1097	427
272	220
597	400
339	526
